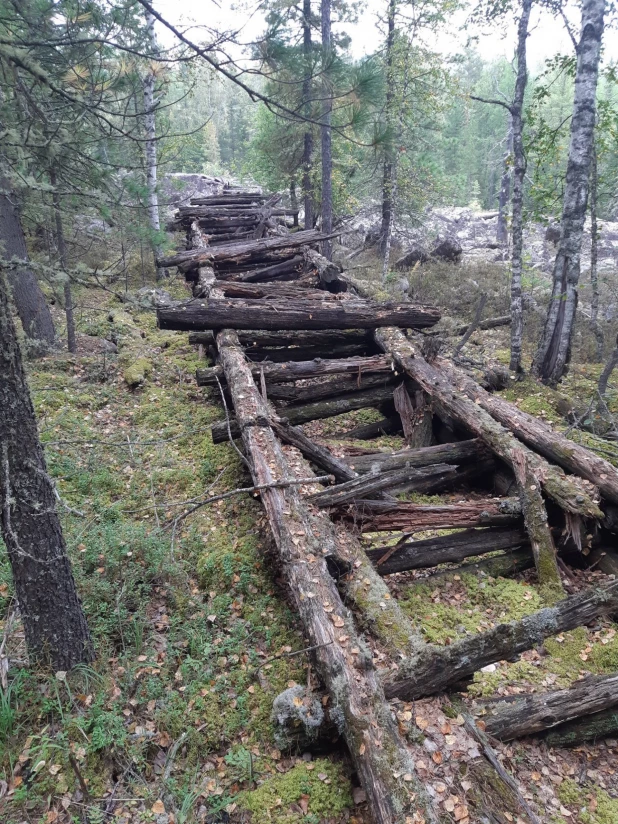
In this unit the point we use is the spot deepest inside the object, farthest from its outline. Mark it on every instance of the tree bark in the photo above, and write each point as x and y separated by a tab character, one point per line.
307	314
445	549
379	755
385	426
436	668
307	111
150	145
519	172
503	565
416	416
62	254
301	337
329	389
539	436
317	454
301	370
30	303
594	256
388	169
451	453
591	728
383	516
564	490
607	372
554	352
523	715
502	232
312	411
325	128
54	623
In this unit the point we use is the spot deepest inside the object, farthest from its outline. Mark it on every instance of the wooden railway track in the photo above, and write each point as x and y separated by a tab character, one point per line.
295	304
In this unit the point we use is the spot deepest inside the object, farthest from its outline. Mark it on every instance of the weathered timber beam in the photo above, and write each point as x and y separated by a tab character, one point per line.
436	668
489	323
313	411
424	480
326	269
302	290
540	436
326	314
328	388
264	274
504	565
521	715
565	490
445	549
457	452
590	728
385	426
292	371
377	751
317	454
382	516
309	353
301	337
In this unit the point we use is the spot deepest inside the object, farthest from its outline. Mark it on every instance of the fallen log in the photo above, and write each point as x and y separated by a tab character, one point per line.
564	490
591	728
277	291
445	549
416	416
604	558
424	480
383	516
451	453
540	436
309	353
437	668
329	388
313	411
504	565
264	274
378	753
300	337
385	426
328	272
521	715
317	454
292	371
325	314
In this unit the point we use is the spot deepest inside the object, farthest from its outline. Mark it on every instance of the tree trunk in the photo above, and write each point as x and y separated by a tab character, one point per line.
554	352
416	416
29	300
594	257
307	111
326	131
276	315
502	232
150	105
452	402
389	172
451	453
62	254
436	668
591	728
54	623
317	454
523	715
378	753
385	426
606	373
519	172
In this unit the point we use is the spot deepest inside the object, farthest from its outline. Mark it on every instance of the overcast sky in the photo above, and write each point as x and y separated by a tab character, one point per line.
548	34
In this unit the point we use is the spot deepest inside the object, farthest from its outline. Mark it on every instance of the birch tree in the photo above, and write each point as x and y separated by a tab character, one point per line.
554	351
150	148
325	129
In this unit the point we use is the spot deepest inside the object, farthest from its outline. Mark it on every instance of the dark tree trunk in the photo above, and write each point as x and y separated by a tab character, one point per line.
594	257
308	138
31	307
554	352
62	255
389	169
519	172
326	131
54	623
502	234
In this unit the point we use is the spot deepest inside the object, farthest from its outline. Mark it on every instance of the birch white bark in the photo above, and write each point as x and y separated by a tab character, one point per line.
150	104
554	350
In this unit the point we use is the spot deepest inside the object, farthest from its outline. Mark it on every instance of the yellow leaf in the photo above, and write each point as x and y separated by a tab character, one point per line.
158	807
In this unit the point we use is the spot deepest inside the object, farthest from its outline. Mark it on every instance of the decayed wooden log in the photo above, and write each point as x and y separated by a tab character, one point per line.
293	371
591	728
309	353
379	755
540	436
564	490
416	416
264	274
326	269
436	668
521	715
317	454
299	289
329	388
504	565
425	480
385	426
451	453
297	338
382	516
445	549
313	411
239	314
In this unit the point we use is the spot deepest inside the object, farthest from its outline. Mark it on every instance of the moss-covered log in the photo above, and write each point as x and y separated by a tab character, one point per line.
436	668
502	565
342	660
591	728
445	549
451	453
521	715
565	490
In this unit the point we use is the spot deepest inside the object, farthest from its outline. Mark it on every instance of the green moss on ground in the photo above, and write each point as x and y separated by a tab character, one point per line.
309	792
590	805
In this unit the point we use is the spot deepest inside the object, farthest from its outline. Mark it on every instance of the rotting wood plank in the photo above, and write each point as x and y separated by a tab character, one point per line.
305	314
566	491
345	667
301	337
300	370
453	453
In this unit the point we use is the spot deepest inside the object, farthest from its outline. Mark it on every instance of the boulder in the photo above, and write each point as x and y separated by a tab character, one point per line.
151	298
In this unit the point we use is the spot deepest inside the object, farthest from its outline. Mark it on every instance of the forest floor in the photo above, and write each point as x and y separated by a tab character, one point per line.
193	634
